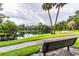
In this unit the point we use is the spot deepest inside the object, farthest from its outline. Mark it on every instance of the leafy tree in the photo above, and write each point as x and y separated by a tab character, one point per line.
74	20
9	26
21	27
43	28
36	29
71	25
63	25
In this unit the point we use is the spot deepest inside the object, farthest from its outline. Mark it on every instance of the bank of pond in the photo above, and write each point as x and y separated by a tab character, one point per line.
13	36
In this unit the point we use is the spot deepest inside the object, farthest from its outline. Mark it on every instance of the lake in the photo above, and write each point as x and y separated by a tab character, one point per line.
24	35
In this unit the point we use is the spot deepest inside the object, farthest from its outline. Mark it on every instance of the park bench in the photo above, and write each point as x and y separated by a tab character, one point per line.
57	43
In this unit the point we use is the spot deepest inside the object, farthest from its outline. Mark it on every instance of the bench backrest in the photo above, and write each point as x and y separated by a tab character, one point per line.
59	43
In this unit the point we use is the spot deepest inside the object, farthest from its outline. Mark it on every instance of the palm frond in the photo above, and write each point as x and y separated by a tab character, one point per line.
54	4
62	4
47	6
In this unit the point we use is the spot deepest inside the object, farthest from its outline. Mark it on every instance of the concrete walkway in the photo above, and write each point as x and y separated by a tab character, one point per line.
26	44
18	46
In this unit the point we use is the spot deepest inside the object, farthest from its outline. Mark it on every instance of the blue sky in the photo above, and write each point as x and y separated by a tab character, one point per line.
32	13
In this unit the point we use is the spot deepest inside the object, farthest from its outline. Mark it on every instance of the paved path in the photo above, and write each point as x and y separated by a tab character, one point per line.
22	45
18	46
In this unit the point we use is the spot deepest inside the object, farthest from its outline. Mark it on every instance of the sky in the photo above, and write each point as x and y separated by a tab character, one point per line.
32	13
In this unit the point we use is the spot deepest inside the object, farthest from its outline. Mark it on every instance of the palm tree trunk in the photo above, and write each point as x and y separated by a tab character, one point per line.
56	19
50	20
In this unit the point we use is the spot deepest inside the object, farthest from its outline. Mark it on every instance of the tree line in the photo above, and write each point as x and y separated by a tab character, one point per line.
72	23
34	29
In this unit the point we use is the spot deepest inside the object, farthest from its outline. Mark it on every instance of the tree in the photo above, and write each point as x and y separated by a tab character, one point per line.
74	20
48	6
58	6
1	7
9	26
21	27
1	15
71	25
62	25
43	28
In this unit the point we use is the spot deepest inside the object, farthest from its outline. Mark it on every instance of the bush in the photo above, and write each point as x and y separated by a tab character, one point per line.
7	36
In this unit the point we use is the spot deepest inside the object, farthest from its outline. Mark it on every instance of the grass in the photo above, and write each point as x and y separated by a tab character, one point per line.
75	31
31	49
33	38
28	50
23	51
76	45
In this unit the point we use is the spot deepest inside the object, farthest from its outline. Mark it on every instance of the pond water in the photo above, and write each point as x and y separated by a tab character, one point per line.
24	35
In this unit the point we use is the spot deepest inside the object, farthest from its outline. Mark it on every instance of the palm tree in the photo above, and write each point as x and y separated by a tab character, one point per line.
58	6
47	7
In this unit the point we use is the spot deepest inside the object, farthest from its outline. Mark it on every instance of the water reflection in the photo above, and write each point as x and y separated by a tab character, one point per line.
22	35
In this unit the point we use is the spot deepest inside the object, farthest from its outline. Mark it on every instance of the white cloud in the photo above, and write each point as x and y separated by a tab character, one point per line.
23	10
30	13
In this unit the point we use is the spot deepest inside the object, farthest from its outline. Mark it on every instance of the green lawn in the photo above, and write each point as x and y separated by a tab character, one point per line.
33	38
23	51
31	49
28	50
76	45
